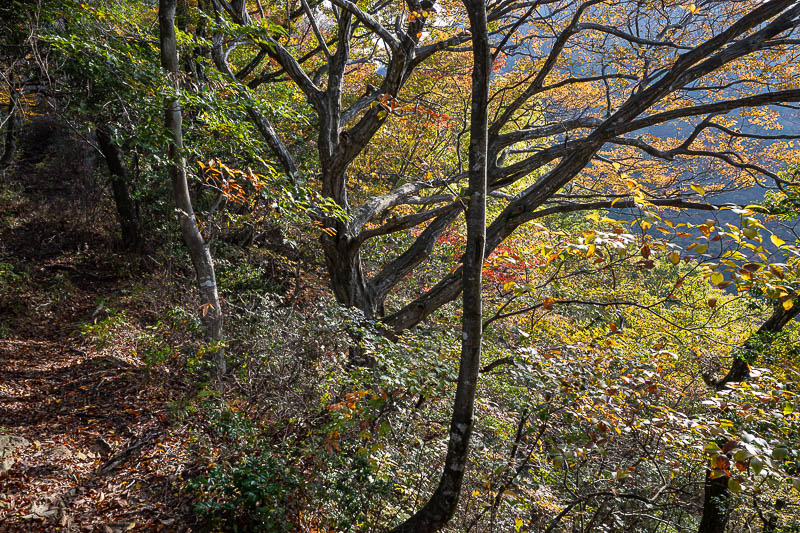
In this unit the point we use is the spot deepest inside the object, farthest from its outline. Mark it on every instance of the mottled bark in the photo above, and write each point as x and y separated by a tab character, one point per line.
193	238
126	208
442	505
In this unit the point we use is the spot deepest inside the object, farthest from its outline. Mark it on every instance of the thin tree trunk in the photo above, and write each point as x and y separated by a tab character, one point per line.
198	248
438	511
126	207
10	147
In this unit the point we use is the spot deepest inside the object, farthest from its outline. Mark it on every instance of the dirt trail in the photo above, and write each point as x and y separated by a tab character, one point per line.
65	414
85	438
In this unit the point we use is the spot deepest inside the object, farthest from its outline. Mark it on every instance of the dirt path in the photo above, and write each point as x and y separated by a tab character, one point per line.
84	441
85	436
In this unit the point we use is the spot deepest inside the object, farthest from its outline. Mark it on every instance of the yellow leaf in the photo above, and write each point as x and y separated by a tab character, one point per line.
674	257
777	241
787	304
696	188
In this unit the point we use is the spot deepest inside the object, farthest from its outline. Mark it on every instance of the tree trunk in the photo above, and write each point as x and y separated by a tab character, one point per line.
716	505
198	248
10	147
438	511
740	369
126	208
717	498
345	270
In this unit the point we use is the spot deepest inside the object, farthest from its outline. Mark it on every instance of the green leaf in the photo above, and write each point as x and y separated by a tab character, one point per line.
780	454
734	486
711	447
741	455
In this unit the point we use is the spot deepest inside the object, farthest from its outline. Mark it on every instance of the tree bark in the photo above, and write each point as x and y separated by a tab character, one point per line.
442	505
716	505
196	244
717	498
346	272
10	146
740	368
126	208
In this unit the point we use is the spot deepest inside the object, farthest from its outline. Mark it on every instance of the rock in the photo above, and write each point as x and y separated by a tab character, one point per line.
62	452
9	442
5	466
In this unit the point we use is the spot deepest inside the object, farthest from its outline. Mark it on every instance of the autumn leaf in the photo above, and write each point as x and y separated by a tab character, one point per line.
777	241
696	188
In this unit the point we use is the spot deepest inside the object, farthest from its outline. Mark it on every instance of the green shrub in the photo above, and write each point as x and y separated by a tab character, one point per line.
255	493
104	332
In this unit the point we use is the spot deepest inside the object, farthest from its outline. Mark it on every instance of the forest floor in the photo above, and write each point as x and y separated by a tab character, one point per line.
86	438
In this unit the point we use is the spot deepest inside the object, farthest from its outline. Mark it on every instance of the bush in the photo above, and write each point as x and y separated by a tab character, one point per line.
255	493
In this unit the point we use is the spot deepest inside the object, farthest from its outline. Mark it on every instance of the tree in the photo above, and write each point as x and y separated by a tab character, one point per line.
126	207
570	120
587	119
571	130
440	508
193	238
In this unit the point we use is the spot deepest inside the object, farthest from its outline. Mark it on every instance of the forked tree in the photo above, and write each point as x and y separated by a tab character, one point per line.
567	125
572	115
